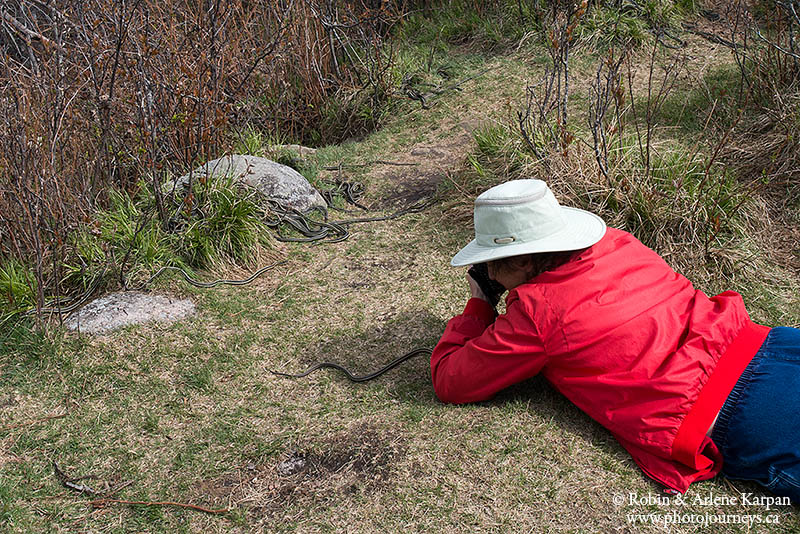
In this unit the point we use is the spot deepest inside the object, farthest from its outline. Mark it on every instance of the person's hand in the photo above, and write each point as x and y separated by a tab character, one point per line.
476	290
482	286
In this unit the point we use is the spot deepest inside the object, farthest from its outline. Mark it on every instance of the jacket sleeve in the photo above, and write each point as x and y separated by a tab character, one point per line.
476	358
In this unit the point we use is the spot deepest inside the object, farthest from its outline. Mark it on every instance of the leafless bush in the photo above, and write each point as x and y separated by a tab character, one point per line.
544	119
632	174
606	106
543	122
100	94
765	38
772	51
663	71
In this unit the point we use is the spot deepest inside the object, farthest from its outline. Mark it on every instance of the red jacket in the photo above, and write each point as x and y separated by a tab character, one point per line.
626	339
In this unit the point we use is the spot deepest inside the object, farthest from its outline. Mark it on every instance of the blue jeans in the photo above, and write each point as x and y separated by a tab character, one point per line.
758	429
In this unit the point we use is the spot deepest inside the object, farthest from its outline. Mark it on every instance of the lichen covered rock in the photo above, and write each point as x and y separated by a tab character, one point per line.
276	181
117	310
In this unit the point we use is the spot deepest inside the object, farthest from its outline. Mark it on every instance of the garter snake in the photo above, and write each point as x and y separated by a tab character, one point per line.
313	230
364	378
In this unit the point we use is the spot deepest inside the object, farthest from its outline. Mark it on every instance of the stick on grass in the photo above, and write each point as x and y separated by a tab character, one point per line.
33	422
99	503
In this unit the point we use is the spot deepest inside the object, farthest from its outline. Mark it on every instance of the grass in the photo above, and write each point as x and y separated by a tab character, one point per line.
488	26
127	238
190	413
711	100
606	27
17	288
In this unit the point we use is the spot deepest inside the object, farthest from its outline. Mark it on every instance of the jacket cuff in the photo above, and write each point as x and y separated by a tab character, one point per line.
481	309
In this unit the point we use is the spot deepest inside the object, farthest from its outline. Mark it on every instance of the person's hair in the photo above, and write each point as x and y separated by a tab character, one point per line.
540	262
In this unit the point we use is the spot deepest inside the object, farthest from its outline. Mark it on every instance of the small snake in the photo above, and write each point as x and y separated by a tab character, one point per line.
353	378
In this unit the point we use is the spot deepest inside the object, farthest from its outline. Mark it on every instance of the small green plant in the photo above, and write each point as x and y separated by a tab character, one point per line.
126	243
268	144
124	238
17	288
343	116
710	101
501	145
86	259
492	140
252	142
660	15
225	225
686	199
607	26
688	7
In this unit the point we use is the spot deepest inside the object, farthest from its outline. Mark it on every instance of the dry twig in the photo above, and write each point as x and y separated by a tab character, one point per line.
99	503
33	422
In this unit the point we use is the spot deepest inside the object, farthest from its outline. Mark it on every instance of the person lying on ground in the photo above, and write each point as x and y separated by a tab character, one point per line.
686	383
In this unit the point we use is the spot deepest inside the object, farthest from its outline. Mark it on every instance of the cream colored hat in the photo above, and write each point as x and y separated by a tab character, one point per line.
523	217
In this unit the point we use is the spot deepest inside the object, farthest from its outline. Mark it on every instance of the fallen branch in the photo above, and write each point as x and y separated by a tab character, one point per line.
374	162
99	503
35	421
72	483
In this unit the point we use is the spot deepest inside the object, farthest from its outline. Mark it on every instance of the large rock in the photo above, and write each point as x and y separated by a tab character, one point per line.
278	182
117	310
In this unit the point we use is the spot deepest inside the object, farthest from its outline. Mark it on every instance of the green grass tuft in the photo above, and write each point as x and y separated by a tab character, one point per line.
606	27
486	26
17	289
710	102
227	226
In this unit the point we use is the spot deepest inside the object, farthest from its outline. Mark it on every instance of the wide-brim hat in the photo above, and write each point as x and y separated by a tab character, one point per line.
524	217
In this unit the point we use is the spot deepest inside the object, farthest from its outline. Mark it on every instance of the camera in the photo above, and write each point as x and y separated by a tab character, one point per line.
491	288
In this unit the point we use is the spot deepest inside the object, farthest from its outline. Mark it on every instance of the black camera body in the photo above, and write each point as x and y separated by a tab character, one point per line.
491	288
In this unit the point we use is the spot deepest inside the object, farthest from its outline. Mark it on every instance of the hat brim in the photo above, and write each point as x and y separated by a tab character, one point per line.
583	229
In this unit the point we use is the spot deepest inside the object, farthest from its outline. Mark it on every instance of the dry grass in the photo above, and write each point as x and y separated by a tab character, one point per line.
382	456
190	412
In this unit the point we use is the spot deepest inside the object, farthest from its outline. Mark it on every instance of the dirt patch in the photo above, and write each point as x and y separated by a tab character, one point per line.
412	188
430	164
307	474
367	272
362	450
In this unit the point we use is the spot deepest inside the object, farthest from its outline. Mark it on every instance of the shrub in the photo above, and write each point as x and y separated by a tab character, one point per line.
765	150
619	165
96	95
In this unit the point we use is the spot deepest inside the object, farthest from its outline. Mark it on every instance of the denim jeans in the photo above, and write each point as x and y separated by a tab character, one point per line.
758	429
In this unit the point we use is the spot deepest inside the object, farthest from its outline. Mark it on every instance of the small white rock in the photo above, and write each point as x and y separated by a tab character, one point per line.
117	310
